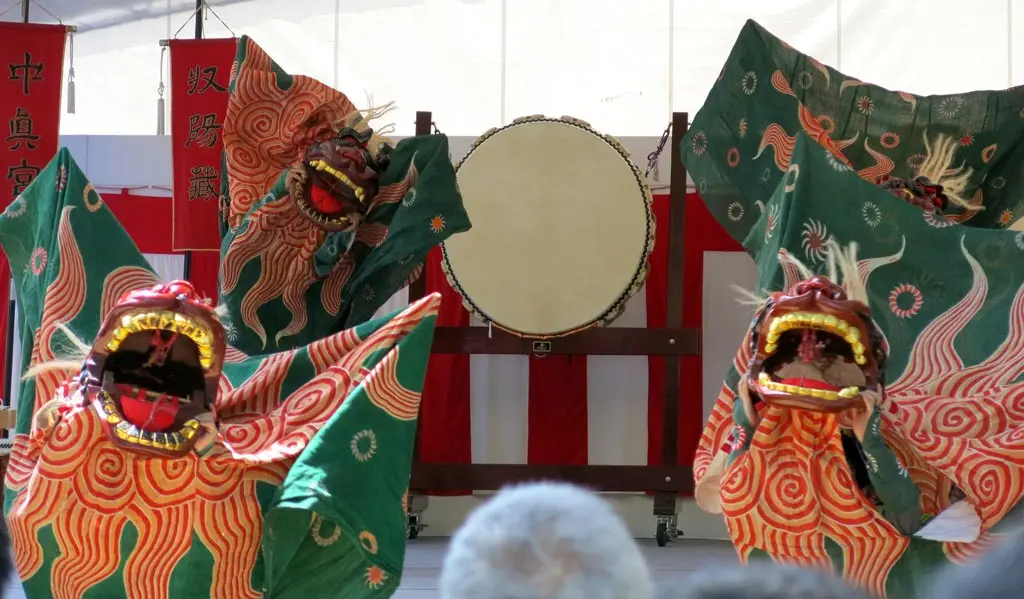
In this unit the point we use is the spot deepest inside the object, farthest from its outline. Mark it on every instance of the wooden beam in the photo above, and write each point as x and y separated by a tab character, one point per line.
418	288
492	477
597	341
676	274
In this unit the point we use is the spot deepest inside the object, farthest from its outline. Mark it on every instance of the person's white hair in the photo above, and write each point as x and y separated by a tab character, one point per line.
545	541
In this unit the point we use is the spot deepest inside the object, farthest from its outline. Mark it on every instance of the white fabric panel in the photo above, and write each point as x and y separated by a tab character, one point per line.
15	356
499	388
704	33
970	48
604	61
396	302
1017	49
167	266
617	399
461	41
724	319
117	72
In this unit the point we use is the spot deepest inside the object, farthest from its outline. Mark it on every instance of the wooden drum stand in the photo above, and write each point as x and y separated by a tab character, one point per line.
667	480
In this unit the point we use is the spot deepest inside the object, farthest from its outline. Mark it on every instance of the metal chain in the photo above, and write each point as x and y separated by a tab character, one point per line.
436	130
652	158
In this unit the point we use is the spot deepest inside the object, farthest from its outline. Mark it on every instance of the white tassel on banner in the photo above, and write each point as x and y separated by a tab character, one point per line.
161	104
71	74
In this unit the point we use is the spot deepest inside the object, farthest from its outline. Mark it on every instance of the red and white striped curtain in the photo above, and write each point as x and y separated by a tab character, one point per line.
589	409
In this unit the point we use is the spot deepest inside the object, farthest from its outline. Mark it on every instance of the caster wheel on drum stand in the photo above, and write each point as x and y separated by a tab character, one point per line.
661	534
414	526
666	532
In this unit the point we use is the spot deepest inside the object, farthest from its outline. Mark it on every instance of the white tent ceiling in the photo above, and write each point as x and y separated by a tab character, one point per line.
623	66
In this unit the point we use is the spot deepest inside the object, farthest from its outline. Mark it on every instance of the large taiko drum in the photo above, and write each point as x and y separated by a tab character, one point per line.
562	228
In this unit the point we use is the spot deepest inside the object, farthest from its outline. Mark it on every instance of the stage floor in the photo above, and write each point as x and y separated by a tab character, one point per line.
424	556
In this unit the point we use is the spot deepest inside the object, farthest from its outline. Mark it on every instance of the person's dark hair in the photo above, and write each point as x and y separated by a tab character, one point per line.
996	575
545	541
6	567
760	580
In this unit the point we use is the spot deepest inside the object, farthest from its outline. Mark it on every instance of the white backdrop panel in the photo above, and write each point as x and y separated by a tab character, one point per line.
969	49
705	31
604	61
724	319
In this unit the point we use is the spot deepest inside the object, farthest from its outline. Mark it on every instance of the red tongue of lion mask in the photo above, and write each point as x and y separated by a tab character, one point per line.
815	349
155	367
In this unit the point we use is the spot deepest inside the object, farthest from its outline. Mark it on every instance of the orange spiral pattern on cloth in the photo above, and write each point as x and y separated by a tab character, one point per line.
332	349
169	500
776	137
164	483
786	498
964	553
715	434
334	284
395	192
90	549
285	243
218	480
21	462
933	355
165	537
1001	368
261	392
104	483
35	506
741	485
64	299
385	391
372	234
314	401
64	453
781	84
122	280
267	128
883	164
232	529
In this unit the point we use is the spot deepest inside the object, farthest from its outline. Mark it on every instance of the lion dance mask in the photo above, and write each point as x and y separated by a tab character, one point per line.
157	458
813	458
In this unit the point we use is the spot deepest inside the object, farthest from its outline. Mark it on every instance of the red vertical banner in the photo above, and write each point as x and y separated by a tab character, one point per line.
31	75
200	73
32	59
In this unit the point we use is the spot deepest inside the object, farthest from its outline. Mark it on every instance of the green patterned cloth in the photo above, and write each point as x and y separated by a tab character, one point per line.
344	420
948	298
424	208
737	146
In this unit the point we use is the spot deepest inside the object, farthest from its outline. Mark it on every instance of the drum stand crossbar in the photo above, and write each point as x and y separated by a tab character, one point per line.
667	480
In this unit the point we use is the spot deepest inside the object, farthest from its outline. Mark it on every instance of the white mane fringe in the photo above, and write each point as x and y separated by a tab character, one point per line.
841	269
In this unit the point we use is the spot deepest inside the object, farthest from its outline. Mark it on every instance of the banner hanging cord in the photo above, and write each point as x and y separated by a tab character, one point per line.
20	3
195	15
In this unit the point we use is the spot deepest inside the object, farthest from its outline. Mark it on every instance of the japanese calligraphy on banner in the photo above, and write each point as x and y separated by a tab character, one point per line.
32	63
200	73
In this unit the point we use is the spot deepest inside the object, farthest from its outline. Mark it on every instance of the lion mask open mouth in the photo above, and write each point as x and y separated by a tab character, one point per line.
154	370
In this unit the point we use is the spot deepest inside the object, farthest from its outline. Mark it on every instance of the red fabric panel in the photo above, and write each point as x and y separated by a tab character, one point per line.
445	434
557	416
147	220
205	269
702	234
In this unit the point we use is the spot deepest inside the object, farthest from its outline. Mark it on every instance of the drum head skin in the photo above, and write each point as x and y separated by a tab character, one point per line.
562	228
